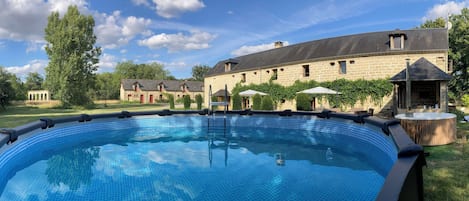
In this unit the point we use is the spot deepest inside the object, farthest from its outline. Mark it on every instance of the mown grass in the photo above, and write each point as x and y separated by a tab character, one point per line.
22	114
446	176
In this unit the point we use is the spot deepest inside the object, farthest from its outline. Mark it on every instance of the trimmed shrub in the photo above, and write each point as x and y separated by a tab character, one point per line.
465	100
256	102
187	102
236	102
199	100
267	103
170	100
303	102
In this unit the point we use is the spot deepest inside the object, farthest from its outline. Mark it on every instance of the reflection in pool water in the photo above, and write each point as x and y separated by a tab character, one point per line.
193	164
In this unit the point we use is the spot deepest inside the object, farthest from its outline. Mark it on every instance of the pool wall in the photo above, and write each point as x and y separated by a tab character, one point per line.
404	181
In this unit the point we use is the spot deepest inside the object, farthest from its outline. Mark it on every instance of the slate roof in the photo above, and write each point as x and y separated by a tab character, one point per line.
170	85
422	70
359	44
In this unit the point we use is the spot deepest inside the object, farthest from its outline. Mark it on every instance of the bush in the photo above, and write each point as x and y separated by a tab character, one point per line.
187	102
256	102
170	100
267	103
199	100
465	100
236	102
303	102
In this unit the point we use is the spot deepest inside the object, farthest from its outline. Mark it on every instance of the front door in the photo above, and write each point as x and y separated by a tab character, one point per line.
151	98
142	99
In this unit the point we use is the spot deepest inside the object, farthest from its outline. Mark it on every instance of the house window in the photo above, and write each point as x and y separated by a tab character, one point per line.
306	70
342	67
275	74
243	77
227	67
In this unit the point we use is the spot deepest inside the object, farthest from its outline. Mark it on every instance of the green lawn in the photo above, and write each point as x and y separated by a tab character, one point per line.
446	176
19	115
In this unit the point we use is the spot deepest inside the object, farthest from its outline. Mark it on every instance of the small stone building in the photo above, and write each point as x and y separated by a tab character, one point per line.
153	91
39	96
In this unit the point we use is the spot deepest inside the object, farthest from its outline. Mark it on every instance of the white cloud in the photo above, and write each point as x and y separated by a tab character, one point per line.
173	8
177	42
33	66
107	62
443	10
246	49
141	2
113	30
24	20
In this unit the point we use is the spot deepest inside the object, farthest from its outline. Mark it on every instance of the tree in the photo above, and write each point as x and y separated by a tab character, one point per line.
437	23
107	86
199	71
458	49
170	100
6	90
72	56
267	103
256	102
303	102
34	81
151	71
236	101
198	100
187	102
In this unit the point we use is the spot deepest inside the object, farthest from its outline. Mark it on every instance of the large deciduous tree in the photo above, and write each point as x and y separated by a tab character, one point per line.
153	71
34	81
199	71
73	57
458	49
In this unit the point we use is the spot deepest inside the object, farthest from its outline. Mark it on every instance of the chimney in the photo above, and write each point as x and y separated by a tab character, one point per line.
278	44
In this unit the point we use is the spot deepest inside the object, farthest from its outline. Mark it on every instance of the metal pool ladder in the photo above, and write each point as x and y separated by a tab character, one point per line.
212	122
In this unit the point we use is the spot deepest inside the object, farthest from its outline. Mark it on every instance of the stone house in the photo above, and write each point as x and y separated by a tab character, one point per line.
374	55
153	91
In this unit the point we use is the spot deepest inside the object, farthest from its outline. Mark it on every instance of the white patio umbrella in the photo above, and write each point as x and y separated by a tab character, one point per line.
319	91
251	92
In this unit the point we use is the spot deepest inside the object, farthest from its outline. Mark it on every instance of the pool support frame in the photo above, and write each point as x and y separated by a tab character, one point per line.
404	181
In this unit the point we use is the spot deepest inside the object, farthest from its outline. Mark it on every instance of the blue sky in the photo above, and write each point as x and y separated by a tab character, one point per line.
182	33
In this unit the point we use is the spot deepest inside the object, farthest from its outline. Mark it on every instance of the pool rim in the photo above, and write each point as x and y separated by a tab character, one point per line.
404	181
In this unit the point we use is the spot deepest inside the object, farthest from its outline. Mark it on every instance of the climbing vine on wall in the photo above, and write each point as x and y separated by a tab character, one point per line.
352	91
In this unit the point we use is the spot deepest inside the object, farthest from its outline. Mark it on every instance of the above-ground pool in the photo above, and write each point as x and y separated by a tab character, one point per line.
193	157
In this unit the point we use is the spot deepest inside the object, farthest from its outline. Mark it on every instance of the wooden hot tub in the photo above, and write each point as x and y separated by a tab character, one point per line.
429	128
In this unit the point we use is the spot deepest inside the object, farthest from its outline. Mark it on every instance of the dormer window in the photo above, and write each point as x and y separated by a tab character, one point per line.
161	87
397	40
227	67
229	64
135	86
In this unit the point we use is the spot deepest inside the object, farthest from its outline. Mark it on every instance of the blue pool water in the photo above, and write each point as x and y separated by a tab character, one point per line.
180	158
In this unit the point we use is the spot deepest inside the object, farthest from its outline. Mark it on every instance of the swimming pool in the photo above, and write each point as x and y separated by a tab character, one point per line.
261	157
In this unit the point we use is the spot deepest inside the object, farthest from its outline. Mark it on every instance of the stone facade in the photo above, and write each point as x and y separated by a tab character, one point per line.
353	66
